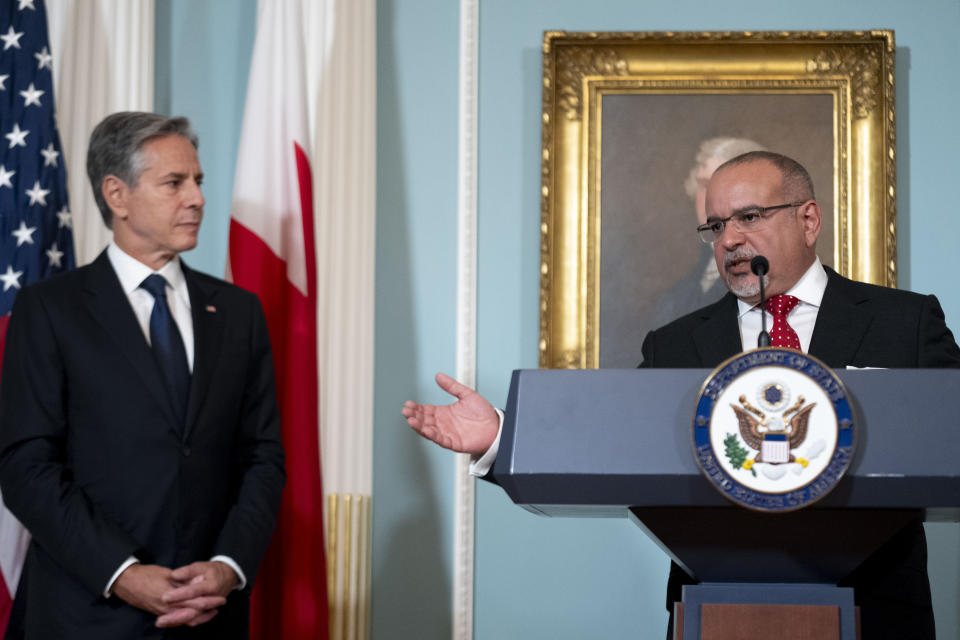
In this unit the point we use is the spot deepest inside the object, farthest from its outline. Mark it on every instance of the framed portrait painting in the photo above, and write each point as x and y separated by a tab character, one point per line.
633	126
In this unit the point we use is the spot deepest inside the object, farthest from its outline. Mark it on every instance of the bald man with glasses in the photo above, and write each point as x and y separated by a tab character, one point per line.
763	203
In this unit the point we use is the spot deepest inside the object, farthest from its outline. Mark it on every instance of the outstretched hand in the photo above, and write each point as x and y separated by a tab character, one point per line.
469	425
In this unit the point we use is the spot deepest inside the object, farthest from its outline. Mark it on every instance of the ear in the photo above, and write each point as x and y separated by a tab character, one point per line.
115	192
810	218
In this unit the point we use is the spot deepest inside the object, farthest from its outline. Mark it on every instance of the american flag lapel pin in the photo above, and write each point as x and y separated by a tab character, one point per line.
211	308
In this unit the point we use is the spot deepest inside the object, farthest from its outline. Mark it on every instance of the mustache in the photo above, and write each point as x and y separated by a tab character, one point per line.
740	253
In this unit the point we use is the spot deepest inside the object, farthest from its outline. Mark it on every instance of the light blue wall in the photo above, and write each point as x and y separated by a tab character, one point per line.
416	265
203	54
536	578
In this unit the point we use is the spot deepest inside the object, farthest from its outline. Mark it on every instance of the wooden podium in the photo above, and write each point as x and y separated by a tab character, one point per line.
618	443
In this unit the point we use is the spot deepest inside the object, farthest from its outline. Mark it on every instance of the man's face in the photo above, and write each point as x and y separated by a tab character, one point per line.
787	239
160	217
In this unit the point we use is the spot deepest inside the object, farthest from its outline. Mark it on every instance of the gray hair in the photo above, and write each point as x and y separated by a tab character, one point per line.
116	148
722	148
795	180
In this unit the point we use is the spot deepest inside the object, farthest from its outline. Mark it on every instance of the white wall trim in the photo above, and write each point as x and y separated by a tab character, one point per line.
466	369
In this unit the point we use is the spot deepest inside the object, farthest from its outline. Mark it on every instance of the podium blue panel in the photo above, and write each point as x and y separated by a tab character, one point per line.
594	443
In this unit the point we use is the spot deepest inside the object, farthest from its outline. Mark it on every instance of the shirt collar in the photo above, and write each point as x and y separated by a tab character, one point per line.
808	289
131	272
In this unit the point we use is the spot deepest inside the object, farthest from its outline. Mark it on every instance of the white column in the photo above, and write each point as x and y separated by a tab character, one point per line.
103	62
341	78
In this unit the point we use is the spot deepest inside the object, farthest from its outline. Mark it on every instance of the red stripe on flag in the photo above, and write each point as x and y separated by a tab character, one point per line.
4	321
6	597
290	597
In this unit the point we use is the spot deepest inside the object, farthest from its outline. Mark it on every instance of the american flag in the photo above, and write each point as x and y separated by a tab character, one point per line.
36	237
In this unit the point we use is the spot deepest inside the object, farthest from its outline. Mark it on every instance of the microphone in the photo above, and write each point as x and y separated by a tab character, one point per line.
760	266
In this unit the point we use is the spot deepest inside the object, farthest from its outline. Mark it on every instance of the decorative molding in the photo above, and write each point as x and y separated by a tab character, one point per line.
466	367
348	538
575	64
862	69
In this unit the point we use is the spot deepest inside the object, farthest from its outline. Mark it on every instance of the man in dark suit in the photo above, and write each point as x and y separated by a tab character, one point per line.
139	434
762	203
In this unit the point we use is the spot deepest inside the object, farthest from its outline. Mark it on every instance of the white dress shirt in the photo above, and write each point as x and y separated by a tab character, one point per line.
808	289
131	272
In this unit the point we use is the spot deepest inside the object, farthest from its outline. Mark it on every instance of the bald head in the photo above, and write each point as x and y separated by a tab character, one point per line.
796	182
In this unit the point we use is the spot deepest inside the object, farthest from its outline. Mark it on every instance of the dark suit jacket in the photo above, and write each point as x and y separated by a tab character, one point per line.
687	294
94	464
860	325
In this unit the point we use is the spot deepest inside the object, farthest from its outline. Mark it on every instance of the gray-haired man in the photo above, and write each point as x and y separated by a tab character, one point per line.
139	434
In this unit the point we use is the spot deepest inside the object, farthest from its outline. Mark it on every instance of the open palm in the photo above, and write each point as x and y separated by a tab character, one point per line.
469	425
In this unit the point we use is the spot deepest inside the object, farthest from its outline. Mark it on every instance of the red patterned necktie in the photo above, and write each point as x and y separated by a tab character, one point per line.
782	334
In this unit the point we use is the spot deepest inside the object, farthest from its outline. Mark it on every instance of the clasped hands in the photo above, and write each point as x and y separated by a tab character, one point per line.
469	425
189	595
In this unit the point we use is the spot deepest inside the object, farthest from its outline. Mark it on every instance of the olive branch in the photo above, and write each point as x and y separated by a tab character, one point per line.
736	454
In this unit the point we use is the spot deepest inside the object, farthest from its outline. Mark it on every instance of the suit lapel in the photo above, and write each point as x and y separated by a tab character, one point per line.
841	323
109	306
207	340
718	336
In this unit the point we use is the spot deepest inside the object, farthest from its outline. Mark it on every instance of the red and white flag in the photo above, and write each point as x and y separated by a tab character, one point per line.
272	254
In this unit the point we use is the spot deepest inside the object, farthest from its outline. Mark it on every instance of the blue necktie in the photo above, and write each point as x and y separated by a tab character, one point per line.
167	346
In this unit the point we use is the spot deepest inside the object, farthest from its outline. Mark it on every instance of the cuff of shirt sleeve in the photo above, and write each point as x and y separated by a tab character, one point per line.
108	591
481	466
227	560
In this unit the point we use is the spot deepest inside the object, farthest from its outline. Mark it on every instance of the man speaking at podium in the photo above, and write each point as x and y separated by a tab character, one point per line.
763	204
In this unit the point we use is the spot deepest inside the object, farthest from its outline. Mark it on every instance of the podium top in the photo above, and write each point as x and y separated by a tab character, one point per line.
596	442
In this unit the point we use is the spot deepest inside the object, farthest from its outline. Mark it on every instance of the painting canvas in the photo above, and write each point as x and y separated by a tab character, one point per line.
653	267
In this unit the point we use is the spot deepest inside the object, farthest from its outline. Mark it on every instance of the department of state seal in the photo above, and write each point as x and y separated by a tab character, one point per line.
773	429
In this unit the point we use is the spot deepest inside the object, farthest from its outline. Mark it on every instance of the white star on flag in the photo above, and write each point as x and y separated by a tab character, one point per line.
12	39
54	255
3	79
28	4
49	156
44	59
24	234
32	96
17	137
65	218
5	177
11	278
37	194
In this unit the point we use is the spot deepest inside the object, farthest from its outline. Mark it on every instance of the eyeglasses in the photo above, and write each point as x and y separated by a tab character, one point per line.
744	221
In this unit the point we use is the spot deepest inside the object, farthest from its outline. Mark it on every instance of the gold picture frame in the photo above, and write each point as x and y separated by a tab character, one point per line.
848	76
